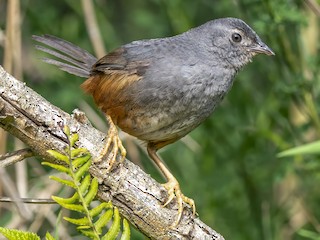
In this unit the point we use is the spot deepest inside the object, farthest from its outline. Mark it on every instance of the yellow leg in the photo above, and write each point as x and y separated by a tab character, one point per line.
114	140
172	185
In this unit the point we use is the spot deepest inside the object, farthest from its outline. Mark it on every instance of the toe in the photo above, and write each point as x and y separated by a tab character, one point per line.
174	191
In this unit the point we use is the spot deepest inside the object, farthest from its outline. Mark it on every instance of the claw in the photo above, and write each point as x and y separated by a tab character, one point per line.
174	190
113	138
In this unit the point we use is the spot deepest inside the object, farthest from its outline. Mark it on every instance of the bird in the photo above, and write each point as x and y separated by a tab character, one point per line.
159	90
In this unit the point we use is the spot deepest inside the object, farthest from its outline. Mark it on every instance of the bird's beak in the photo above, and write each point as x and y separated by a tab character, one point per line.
261	47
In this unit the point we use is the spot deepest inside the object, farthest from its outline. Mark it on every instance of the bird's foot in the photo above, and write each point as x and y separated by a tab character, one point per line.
113	142
174	190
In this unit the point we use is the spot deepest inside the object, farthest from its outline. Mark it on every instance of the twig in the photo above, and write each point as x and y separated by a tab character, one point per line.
14	157
28	200
314	6
92	28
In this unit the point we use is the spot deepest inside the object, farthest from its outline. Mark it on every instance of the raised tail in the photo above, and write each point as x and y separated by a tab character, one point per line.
71	58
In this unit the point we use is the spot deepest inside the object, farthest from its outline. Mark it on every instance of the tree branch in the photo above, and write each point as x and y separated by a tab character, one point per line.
14	157
35	121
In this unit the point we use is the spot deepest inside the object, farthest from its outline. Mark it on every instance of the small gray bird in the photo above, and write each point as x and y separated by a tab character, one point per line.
159	90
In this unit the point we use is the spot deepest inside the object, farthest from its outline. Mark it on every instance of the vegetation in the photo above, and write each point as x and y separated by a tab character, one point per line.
230	164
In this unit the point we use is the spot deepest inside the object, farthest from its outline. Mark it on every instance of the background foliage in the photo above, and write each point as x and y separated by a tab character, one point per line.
228	165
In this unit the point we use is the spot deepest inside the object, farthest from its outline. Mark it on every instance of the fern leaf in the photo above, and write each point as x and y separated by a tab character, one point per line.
49	236
115	227
72	199
66	130
126	230
84	227
63	181
78	221
82	170
73	139
80	160
92	192
69	200
86	187
58	167
89	233
13	234
59	156
98	209
70	206
104	219
77	152
85	184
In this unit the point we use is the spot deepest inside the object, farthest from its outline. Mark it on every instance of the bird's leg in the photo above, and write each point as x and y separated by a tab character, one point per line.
114	141
172	185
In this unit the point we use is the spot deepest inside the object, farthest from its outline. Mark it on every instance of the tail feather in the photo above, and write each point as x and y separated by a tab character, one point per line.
71	58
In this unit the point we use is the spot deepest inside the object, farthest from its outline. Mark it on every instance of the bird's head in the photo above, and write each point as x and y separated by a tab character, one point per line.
231	41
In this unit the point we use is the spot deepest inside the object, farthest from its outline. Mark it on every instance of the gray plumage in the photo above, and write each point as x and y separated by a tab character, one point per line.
183	77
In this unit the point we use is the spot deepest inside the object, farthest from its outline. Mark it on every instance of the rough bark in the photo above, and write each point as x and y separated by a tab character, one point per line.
35	121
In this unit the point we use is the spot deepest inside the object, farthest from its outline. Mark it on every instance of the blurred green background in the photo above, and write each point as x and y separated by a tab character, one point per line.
228	165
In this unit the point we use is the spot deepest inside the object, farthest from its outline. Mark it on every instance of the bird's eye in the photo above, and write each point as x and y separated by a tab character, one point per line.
236	37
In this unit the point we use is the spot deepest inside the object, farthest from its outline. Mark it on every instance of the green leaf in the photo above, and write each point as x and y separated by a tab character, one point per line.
78	221
92	192
88	233
73	139
98	209
310	148
49	236
84	227
72	199
81	171
80	160
309	234
63	181
58	167
104	219
78	152
59	156
115	227
13	234
85	184
66	130
70	206
126	230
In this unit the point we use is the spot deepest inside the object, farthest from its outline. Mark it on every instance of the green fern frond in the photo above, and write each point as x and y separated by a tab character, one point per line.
98	209
77	152
104	219
13	234
49	236
90	234
81	171
80	160
71	206
73	139
92	192
69	200
84	185
80	221
66	131
115	227
77	163
69	183
59	156
58	167
126	230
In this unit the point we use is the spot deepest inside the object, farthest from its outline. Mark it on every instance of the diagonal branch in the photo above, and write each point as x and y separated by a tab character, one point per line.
14	157
36	122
